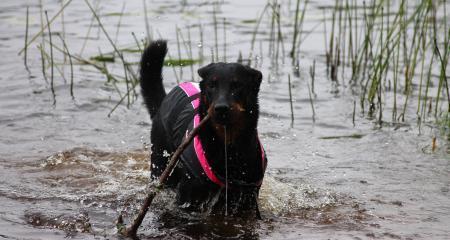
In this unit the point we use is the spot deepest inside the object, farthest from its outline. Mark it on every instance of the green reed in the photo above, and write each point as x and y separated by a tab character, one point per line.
224	40
188	48
71	64
63	27
26	40
216	38
312	74
255	31
147	25
45	27
389	48
190	54
52	63
136	41
88	33
201	44
177	30
41	50
291	102
119	24
133	79
280	41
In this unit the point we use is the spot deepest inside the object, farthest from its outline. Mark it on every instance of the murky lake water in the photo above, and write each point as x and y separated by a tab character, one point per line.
69	170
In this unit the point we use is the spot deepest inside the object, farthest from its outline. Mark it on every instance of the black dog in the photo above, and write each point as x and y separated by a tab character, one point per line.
205	180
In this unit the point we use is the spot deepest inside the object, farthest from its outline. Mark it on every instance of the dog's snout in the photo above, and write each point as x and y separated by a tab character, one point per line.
222	108
222	113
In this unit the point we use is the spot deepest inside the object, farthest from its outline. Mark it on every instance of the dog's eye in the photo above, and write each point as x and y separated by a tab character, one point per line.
212	85
236	86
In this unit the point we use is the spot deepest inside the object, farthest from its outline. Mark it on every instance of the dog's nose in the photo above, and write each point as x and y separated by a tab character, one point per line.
222	109
222	113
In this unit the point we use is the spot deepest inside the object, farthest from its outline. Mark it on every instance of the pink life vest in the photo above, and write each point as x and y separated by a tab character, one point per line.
191	89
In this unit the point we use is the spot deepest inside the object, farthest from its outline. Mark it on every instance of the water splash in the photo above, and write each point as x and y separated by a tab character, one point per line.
285	199
71	224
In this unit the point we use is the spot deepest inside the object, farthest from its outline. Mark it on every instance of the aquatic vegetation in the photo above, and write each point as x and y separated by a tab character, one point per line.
180	62
103	58
390	54
397	41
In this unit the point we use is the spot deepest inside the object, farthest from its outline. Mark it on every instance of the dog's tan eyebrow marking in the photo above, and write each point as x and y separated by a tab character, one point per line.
239	107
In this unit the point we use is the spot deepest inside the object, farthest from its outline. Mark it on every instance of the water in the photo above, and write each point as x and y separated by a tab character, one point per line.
69	170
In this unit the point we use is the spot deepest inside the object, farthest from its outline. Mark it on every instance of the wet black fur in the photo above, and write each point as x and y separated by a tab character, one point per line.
234	83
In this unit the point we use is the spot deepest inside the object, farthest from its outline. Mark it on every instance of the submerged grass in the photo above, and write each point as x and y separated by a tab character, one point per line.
352	136
103	58
180	62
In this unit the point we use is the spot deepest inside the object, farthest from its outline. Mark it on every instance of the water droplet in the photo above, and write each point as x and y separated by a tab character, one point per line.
166	154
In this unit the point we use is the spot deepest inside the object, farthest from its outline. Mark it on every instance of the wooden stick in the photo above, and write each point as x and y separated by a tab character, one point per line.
131	231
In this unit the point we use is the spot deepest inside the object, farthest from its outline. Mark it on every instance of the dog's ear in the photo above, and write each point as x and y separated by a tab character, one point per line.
256	77
205	71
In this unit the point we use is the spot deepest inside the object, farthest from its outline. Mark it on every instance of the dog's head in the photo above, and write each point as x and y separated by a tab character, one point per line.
232	91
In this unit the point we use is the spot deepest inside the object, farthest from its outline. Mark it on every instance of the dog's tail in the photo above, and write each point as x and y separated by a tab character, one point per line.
152	88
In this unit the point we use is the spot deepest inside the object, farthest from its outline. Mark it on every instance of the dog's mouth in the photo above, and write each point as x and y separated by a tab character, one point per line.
221	113
228	123
229	115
